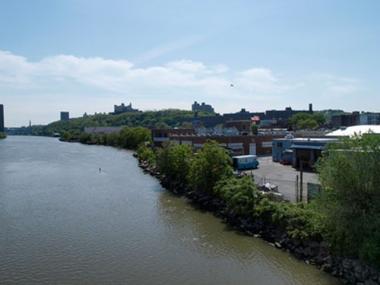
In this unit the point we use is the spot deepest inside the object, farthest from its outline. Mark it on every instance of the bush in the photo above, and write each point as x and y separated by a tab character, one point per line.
240	194
350	176
147	154
299	221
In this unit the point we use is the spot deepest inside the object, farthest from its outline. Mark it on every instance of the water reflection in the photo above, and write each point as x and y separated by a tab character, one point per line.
63	222
202	232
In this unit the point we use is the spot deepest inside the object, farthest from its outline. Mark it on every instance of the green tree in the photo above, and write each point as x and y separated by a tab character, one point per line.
174	162
131	138
350	176
307	120
208	166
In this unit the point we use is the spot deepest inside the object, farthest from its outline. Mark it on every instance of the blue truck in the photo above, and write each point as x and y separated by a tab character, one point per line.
245	162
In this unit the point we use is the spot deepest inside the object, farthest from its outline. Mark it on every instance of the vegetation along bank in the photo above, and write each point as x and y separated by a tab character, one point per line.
339	232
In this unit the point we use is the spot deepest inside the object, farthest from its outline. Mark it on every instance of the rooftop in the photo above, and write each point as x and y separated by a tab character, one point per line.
355	130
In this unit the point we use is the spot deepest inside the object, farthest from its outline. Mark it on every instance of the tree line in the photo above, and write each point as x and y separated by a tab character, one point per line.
346	214
128	137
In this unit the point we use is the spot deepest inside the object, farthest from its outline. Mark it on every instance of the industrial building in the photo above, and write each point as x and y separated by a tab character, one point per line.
354	119
2	128
367	118
355	130
235	144
267	119
299	152
65	116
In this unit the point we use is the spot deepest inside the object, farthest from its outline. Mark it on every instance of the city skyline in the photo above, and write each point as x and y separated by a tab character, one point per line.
86	56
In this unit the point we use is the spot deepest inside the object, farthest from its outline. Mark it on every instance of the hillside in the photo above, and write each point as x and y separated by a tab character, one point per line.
148	119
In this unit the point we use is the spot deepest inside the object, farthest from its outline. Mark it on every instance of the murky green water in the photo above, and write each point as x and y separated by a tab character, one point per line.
64	222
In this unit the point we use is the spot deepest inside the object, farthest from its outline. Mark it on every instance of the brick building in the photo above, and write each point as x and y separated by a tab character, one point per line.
237	145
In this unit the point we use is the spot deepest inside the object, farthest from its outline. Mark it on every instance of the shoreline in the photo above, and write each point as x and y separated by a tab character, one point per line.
313	252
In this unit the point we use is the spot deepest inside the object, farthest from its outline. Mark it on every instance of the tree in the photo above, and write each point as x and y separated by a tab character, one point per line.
208	166
131	138
174	162
350	201
307	120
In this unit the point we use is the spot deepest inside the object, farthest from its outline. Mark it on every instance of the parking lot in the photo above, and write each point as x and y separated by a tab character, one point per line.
283	176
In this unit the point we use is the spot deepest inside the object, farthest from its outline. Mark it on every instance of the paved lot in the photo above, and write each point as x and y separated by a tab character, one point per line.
284	176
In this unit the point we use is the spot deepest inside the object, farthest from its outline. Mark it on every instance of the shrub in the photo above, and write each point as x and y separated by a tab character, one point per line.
240	194
350	176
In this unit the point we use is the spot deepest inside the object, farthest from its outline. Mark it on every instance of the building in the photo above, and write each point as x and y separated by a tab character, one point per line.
281	151
203	107
299	151
235	144
306	151
118	109
2	128
243	114
65	116
280	118
159	136
345	120
367	118
355	130
269	118
243	126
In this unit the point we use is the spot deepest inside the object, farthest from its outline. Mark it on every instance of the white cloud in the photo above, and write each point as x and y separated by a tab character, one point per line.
80	82
121	76
332	85
259	80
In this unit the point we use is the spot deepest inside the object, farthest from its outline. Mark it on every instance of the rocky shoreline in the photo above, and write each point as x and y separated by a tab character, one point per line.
315	252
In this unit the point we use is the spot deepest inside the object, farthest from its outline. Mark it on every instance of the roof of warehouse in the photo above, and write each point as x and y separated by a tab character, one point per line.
305	146
356	130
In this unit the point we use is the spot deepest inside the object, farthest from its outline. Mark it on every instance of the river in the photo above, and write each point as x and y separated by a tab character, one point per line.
62	221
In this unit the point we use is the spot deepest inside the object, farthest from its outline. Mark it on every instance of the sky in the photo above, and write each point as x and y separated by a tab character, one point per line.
87	55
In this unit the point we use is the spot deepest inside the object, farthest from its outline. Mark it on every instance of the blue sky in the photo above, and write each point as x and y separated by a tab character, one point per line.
85	56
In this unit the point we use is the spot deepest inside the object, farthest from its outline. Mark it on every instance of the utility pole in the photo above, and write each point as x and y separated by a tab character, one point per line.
297	184
301	181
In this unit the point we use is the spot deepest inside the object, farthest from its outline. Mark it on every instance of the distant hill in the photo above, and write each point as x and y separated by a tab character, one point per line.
149	119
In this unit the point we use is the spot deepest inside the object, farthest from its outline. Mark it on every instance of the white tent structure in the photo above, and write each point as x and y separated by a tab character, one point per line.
355	130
